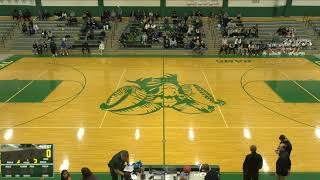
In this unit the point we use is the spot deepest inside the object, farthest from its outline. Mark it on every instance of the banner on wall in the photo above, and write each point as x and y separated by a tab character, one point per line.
194	3
143	3
69	3
305	2
18	2
257	3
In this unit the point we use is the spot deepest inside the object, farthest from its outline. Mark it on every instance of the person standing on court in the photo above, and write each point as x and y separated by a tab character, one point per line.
284	140
283	165
118	163
252	164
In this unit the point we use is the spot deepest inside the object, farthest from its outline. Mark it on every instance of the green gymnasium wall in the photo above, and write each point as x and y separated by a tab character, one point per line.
288	9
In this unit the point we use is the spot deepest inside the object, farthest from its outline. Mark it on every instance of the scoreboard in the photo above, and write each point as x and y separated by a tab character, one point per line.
26	160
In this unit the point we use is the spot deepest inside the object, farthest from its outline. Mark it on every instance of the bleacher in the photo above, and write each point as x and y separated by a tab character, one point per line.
6	31
58	28
268	31
135	42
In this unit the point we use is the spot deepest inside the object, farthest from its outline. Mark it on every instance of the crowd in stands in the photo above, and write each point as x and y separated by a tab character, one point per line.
146	29
21	14
149	29
242	40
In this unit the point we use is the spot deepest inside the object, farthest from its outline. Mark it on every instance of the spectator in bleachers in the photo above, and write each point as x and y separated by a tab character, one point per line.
105	16
190	29
35	28
50	35
85	47
251	49
40	15
24	28
113	15
200	47
244	48
53	48
166	42
144	38
65	175
157	16
87	174
237	44
44	34
40	48
26	14
15	15
173	42
224	45
35	48
119	14
231	48
101	47
63	47
45	47
103	35
20	14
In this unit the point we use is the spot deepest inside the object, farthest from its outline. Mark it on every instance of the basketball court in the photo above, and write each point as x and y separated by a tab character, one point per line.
163	110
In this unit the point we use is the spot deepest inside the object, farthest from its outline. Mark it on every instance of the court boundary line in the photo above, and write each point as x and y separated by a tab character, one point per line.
286	75
118	84
222	116
18	92
157	127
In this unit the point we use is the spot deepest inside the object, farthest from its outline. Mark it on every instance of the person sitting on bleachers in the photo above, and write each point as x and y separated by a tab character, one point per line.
50	35
224	46
166	42
244	48
45	47
197	44
174	17
157	15
103	35
198	33
24	28
35	48
40	48
85	47
173	42
144	38
251	49
237	44
231	48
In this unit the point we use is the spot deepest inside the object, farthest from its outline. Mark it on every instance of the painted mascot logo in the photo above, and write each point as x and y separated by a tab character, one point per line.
149	95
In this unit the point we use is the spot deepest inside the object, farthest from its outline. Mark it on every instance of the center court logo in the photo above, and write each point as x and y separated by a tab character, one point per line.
148	95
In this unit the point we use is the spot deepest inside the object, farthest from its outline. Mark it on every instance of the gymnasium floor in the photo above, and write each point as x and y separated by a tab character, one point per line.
171	110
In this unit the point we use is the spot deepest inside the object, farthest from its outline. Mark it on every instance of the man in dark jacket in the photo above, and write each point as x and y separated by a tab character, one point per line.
212	174
283	165
284	140
117	164
252	164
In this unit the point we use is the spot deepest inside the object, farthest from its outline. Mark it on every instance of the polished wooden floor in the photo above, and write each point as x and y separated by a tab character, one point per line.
214	138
